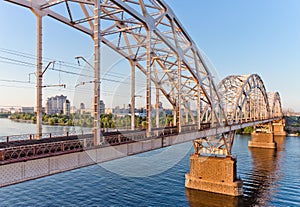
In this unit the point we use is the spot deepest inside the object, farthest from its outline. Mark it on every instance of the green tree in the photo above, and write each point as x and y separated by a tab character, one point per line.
61	121
144	124
33	119
248	130
51	121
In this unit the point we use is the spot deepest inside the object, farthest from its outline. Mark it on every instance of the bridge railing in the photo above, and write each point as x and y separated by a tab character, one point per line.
27	152
138	134
22	137
114	137
20	150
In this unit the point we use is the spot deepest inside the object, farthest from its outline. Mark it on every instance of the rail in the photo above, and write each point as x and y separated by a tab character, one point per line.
32	136
28	149
23	150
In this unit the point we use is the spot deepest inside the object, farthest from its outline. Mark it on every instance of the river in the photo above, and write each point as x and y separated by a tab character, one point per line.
271	178
9	128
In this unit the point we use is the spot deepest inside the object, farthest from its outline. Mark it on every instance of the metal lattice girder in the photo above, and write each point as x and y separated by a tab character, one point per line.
245	97
152	39
150	35
217	145
275	104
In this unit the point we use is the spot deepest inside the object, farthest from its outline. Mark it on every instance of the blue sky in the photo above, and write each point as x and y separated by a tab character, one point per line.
242	37
239	37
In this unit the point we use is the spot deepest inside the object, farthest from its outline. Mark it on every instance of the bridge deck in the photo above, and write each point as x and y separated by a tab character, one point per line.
22	150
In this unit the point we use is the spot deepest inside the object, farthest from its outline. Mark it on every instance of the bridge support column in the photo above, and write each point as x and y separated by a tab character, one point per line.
214	174
278	128
262	140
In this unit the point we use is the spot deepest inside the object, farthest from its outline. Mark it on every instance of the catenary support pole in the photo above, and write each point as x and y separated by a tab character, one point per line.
97	41
132	95
39	63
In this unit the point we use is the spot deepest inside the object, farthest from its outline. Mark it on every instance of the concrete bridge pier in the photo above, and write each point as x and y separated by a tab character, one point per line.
262	140
214	174
278	128
263	135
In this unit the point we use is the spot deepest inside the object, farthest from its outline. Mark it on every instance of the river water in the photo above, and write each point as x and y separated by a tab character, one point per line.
156	178
9	128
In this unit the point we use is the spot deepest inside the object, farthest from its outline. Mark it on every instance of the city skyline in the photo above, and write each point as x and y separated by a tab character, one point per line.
234	40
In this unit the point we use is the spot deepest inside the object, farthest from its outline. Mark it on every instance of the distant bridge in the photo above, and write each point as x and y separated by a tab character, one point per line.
154	41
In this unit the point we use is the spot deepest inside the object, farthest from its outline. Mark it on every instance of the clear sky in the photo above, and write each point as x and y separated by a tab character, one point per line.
239	37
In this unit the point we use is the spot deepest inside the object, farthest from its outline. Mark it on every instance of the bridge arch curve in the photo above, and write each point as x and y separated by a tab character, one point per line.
275	104
244	97
149	35
152	39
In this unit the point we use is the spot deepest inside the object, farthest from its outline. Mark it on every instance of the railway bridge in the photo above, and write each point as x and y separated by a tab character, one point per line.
152	39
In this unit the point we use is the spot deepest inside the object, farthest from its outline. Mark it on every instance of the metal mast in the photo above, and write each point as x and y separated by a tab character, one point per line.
39	76
97	41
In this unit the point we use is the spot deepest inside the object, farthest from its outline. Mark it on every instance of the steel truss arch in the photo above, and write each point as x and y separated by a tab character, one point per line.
275	104
244	97
151	37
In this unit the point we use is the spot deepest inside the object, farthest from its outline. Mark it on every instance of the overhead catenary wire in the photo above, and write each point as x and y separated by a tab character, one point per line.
15	81
63	63
24	63
28	63
109	93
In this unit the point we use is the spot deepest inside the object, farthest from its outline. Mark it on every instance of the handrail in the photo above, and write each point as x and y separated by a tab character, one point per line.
22	150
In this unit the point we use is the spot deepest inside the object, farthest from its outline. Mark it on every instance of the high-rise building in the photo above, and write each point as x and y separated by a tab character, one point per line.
66	108
58	105
102	107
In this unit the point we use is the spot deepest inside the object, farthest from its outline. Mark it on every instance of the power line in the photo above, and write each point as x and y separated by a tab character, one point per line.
110	93
18	61
63	63
55	69
15	81
11	86
31	56
7	62
67	72
24	63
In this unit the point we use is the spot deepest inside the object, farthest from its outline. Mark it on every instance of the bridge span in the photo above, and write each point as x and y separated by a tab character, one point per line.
27	159
152	39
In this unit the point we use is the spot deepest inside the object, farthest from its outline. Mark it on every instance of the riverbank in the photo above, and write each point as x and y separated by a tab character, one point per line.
293	135
4	115
86	120
292	125
23	121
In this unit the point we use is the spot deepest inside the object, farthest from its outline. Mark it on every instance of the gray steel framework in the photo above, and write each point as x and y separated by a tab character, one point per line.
275	104
244	97
154	41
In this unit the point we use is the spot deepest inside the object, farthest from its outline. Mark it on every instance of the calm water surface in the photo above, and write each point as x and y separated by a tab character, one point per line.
8	127
271	178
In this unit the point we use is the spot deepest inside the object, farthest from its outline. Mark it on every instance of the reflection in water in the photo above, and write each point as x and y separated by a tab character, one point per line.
279	142
265	164
262	176
259	172
203	198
